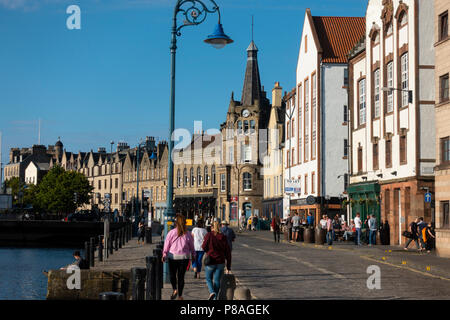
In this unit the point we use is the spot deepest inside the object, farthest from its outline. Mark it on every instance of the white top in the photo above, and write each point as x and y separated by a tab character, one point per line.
198	234
357	222
323	223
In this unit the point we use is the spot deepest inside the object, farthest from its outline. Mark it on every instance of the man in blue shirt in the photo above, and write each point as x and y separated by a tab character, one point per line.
310	220
228	232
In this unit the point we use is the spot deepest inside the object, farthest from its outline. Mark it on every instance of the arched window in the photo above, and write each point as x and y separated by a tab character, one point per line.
403	19
213	175
192	177
199	176
185	177
178	178
206	176
247	181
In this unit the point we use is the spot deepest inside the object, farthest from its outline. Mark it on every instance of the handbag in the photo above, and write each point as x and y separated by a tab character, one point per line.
206	260
407	234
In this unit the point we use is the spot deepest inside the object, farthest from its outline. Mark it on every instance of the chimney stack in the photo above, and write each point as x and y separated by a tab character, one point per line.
277	92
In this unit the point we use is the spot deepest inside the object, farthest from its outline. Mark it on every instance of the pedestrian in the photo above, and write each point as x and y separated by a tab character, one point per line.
358	229
430	237
421	225
373	230
208	224
336	226
385	233
218	251
198	233
276	226
141	232
242	221
289	227
178	249
295	226
310	220
255	222
323	222
413	235
229	233
79	262
329	231
249	223
196	218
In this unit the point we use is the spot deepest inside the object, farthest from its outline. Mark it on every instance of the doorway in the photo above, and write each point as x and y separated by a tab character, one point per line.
247	209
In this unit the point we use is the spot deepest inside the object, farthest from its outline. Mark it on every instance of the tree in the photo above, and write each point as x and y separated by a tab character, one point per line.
62	191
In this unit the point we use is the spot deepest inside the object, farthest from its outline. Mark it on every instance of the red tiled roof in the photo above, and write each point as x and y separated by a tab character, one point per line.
338	35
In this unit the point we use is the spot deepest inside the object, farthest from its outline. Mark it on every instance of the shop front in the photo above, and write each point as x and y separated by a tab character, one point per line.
317	206
365	199
273	207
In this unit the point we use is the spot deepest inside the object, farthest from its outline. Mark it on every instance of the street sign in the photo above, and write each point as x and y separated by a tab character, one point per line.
427	197
292	186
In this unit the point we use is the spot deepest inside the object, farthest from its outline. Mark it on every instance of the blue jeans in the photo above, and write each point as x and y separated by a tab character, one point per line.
358	236
197	263
330	237
213	275
373	237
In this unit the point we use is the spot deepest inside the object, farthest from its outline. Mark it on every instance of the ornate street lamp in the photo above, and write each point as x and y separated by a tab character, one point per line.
194	12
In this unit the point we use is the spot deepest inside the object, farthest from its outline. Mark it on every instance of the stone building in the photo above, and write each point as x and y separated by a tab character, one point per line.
195	180
442	171
153	161
316	147
240	179
392	159
19	159
273	162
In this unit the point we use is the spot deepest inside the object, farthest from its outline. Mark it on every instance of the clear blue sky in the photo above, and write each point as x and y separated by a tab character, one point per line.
110	80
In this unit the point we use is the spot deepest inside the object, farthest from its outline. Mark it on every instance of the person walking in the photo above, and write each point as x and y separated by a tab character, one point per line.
289	227
276	227
141	232
358	229
373	230
178	249
413	235
385	232
421	225
242	220
198	233
295	226
229	233
255	223
218	252
329	231
249	223
430	237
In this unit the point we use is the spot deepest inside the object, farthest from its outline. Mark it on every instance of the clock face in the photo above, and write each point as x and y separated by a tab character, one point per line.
245	113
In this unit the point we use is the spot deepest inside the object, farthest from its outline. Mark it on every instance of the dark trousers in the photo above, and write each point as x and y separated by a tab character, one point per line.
276	235
177	270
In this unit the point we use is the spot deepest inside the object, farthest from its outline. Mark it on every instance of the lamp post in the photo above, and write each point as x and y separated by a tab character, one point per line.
137	206
194	12
289	129
110	180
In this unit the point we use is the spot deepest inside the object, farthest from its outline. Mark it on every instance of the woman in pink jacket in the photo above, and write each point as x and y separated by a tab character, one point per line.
178	249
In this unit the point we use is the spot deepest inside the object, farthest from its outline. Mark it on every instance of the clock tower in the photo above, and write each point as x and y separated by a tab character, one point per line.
240	179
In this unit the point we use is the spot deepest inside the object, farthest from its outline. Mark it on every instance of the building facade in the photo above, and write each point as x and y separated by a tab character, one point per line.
442	185
391	101
273	162
316	147
241	183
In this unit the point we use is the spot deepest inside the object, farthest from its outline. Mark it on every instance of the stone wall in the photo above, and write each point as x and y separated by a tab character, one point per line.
92	284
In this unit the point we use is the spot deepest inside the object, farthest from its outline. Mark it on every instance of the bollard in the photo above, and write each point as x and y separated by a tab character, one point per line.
116	240
242	294
92	252
111	296
120	238
124	233
227	287
86	253
138	280
159	273
110	243
148	235
150	292
100	248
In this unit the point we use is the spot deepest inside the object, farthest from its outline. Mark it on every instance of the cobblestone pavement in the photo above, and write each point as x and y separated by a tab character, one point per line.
307	271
